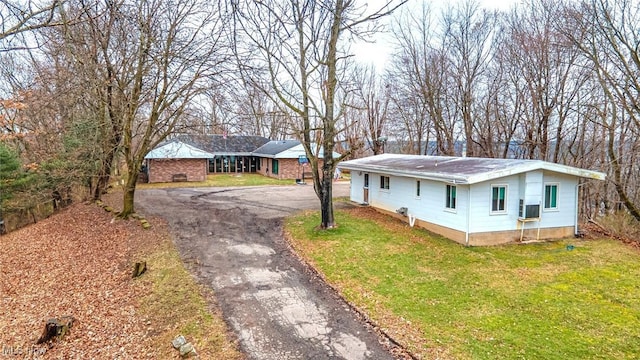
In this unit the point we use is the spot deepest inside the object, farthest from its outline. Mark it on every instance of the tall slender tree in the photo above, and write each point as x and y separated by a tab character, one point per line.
303	47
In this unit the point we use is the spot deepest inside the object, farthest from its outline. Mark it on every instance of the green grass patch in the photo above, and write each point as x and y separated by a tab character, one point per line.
222	180
442	299
177	305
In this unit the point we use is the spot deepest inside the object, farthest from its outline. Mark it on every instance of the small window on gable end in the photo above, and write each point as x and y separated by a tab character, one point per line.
499	198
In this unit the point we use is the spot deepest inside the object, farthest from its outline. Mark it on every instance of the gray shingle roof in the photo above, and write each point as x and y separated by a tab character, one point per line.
218	145
177	150
275	147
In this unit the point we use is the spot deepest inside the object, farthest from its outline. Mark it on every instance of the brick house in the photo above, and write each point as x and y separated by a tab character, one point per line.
230	154
285	159
196	156
177	161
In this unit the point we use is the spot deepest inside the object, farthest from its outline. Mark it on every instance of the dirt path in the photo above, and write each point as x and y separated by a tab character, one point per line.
232	239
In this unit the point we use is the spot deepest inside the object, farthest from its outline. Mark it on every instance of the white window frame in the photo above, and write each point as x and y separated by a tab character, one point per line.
506	199
544	200
447	198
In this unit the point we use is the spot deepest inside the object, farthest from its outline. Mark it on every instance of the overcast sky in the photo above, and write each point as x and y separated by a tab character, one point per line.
378	52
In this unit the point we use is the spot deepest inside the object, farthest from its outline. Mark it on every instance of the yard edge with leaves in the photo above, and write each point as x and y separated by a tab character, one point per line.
78	263
175	302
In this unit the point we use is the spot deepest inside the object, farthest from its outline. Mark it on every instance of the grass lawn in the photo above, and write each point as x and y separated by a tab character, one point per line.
177	304
441	299
222	180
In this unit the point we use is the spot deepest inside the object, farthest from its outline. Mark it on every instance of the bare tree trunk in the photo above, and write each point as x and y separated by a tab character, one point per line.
129	192
617	176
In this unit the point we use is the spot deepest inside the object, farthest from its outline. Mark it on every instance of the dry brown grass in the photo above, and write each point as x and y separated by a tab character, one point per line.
619	225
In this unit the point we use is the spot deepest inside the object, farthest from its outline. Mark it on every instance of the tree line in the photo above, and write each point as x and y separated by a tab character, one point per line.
549	80
89	86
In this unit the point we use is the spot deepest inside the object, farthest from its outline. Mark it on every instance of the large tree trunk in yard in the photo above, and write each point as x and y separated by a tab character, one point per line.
128	196
102	180
326	201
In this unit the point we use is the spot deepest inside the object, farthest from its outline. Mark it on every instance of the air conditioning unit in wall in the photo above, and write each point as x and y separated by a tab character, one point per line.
532	211
528	211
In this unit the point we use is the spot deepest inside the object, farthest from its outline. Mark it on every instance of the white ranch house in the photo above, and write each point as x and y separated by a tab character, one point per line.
473	201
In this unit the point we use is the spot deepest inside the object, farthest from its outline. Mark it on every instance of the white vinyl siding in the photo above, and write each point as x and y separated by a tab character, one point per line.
429	206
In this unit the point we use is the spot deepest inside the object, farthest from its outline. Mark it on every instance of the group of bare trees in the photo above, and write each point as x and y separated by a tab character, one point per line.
299	60
109	80
549	79
94	85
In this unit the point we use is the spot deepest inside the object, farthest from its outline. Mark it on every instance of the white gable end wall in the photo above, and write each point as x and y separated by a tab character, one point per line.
530	187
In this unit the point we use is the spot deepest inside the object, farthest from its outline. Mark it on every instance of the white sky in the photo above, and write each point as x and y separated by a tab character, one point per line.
379	51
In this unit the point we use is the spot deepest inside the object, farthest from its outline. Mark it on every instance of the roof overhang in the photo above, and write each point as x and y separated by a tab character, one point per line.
459	170
177	150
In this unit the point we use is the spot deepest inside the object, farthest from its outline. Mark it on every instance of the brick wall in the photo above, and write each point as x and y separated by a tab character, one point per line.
287	168
162	170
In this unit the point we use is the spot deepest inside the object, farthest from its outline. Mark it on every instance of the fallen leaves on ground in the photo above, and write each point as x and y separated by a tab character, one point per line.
79	262
76	263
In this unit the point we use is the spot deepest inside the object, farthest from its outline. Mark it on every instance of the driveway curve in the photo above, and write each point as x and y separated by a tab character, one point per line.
232	240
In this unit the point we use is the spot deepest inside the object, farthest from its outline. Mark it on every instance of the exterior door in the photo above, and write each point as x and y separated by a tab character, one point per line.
365	197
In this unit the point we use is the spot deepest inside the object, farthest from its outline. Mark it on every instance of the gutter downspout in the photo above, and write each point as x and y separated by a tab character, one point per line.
578	185
466	239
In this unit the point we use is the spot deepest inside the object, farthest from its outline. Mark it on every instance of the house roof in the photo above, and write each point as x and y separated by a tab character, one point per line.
462	170
242	145
208	146
286	149
177	150
274	147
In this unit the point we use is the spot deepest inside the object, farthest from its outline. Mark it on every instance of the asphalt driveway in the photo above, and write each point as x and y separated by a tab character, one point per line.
232	240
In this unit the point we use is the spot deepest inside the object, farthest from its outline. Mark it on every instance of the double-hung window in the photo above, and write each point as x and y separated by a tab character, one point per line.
498	199
384	182
551	196
450	202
